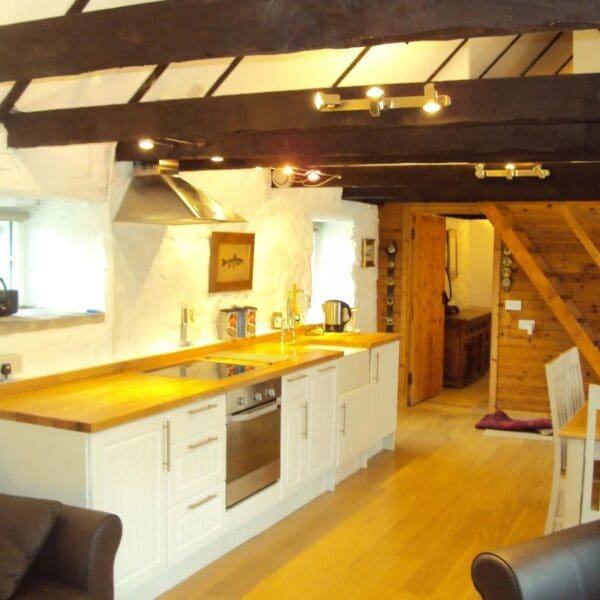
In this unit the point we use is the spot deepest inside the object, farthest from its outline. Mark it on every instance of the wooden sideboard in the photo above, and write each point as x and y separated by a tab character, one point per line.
466	346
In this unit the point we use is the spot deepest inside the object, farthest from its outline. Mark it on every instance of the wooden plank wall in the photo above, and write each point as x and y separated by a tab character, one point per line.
520	379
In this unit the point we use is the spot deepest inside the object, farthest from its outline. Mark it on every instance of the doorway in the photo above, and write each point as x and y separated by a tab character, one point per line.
449	331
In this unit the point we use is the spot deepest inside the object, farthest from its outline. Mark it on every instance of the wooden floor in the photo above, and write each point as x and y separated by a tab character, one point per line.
405	528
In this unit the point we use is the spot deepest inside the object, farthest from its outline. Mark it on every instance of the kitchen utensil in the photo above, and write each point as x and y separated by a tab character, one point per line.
9	300
337	314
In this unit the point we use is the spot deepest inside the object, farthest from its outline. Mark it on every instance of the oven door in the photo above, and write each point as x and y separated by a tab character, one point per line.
253	447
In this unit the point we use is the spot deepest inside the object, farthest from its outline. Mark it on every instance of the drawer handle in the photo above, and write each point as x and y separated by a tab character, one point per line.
195	411
167	442
327	369
201	502
292	379
343	429
209	440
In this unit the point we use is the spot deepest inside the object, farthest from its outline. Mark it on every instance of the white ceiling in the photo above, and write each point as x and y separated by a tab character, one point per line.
385	64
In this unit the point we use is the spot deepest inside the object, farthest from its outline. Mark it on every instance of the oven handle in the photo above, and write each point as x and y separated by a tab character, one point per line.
254	413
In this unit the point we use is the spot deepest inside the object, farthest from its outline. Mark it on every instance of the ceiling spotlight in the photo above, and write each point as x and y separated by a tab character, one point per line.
326	101
376	102
146	144
287	176
511	171
433	101
217	159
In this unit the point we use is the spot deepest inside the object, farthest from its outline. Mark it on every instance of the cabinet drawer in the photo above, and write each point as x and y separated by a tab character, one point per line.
197	463
294	385
195	418
195	522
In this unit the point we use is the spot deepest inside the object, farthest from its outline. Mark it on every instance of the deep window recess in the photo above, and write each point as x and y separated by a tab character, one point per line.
8	251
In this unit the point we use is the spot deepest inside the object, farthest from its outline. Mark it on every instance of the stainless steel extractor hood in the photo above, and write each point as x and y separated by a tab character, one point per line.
158	195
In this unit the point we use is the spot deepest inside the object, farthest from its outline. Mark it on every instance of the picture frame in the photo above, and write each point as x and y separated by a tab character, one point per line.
231	261
367	253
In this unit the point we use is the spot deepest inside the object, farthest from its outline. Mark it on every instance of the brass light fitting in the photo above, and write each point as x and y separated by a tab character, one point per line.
511	171
376	102
286	176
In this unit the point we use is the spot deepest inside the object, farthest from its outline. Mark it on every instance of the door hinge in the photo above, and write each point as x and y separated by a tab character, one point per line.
409	379
412	234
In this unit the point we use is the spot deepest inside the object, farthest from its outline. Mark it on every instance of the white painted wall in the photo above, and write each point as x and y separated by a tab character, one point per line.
141	274
586	51
475	249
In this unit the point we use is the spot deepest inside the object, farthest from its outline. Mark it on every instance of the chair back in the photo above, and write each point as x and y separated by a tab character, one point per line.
590	500
566	395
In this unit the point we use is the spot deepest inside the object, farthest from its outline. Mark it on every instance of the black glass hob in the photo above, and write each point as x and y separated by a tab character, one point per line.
204	369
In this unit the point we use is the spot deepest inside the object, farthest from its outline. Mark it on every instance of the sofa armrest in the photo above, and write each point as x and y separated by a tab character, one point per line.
560	565
80	551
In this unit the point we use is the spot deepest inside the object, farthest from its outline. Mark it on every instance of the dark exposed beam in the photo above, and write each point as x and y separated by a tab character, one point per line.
460	143
477	191
515	100
563	176
180	30
148	83
19	87
456	183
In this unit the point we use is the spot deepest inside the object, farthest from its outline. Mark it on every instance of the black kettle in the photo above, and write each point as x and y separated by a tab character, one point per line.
9	300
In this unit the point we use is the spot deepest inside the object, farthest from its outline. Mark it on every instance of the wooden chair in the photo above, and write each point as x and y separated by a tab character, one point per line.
590	501
566	394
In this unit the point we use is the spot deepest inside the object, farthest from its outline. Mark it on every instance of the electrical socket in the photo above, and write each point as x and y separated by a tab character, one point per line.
15	360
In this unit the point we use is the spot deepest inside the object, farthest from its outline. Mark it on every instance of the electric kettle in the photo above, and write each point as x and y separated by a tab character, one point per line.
337	314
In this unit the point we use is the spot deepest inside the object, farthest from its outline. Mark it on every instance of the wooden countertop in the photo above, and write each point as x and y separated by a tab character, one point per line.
576	427
100	397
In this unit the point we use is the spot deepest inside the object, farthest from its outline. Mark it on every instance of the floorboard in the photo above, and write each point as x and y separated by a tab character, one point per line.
407	527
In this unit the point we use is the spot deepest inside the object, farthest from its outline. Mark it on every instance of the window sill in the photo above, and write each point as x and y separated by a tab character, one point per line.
37	319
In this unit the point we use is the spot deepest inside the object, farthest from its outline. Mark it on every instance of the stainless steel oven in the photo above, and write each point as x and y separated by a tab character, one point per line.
253	439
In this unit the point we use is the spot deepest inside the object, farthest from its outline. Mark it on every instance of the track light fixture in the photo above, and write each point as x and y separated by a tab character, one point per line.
376	101
150	143
511	171
286	176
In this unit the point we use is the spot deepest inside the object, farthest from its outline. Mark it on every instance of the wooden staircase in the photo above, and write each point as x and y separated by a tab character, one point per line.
546	283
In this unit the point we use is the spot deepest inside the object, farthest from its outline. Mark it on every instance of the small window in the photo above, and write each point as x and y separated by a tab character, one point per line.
7	252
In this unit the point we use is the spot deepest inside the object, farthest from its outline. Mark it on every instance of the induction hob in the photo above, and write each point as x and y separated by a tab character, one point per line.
204	369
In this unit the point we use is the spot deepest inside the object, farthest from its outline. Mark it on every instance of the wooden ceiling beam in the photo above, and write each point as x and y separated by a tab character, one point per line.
182	30
482	143
474	102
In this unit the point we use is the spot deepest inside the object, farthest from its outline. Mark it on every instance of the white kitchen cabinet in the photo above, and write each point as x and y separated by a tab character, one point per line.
308	425
353	419
128	477
321	419
197	463
150	472
195	522
384	391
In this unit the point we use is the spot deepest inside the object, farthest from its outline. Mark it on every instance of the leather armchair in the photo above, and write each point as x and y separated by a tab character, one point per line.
564	564
77	559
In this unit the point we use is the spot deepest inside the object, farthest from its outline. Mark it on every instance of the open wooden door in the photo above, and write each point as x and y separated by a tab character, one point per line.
428	240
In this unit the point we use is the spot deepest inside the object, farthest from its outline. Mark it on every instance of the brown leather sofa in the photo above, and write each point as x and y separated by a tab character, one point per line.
564	565
77	557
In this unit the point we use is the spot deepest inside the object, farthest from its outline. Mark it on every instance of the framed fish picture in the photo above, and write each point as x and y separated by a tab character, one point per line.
231	261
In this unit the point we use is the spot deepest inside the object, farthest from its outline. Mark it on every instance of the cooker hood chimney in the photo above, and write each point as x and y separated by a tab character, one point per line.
158	195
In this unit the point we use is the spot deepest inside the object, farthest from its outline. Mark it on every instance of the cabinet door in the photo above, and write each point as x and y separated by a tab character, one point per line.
294	419
384	392
353	418
322	419
195	522
197	463
128	477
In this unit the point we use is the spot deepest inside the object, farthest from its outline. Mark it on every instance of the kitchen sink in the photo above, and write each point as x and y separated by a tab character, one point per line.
249	357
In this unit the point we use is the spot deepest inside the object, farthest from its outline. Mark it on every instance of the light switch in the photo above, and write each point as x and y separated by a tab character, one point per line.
527	325
513	304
